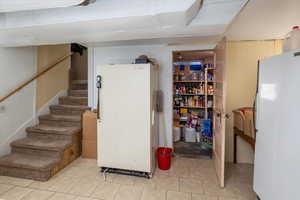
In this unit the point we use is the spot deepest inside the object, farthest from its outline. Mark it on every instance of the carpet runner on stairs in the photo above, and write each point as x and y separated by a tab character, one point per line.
52	144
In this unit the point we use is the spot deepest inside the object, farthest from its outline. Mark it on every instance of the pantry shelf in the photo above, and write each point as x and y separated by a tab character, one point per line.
191	107
193	81
194	84
194	94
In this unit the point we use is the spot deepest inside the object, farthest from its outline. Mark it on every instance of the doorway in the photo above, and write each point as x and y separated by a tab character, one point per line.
193	103
79	63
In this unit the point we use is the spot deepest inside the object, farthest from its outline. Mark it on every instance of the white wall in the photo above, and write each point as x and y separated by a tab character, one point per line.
16	66
127	54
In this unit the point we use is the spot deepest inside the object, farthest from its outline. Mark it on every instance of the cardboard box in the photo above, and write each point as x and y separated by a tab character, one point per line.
89	126
89	135
89	149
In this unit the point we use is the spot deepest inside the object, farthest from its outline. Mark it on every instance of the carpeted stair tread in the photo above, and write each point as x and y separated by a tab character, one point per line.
78	93
73	100
73	97
70	107
79	85
52	144
25	161
42	144
48	129
75	107
79	82
67	118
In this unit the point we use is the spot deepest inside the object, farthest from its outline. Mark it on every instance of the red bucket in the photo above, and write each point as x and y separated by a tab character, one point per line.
164	158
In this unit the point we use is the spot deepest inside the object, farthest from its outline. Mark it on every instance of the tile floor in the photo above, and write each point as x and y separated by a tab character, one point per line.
188	179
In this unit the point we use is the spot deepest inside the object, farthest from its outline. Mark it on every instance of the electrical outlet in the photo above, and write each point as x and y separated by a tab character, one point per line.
2	109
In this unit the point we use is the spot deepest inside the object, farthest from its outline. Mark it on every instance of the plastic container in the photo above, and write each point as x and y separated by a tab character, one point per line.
198	137
295	38
176	134
164	155
292	40
190	135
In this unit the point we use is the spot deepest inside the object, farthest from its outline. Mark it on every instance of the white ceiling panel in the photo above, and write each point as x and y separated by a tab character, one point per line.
114	20
21	5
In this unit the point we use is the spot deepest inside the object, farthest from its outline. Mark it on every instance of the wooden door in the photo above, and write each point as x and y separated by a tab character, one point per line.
219	111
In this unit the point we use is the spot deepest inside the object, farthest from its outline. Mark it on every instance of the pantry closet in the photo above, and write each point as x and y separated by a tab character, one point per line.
193	102
199	99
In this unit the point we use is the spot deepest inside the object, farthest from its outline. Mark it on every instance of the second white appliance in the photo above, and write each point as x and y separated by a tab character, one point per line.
277	160
127	129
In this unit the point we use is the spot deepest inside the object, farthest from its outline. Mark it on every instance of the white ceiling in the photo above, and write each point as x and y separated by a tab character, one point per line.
265	19
19	5
113	20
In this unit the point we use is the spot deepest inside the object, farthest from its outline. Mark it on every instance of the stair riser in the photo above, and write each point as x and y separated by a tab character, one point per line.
25	173
79	86
37	152
70	101
77	93
56	111
49	136
60	123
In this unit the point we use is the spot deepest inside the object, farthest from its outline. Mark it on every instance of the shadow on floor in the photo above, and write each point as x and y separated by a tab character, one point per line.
191	150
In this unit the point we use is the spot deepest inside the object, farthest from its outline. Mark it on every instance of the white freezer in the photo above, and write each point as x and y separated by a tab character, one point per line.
277	153
127	129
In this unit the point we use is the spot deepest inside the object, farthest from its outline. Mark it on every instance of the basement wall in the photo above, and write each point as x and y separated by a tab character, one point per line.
242	58
127	54
57	79
17	112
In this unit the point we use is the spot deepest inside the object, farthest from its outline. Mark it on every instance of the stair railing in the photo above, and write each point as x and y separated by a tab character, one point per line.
51	66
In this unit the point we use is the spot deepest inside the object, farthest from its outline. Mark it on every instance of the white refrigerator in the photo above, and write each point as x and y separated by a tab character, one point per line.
128	124
277	153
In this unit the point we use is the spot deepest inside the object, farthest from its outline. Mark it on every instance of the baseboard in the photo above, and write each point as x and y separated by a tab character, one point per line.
54	100
18	134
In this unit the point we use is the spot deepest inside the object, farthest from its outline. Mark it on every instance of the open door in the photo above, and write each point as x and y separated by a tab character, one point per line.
219	111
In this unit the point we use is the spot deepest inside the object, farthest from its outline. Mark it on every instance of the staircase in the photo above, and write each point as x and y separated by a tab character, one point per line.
52	144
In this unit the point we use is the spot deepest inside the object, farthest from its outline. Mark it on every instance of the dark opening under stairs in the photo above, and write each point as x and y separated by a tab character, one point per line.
52	144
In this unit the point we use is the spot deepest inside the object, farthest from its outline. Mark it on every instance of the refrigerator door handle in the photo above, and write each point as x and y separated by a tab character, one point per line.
297	54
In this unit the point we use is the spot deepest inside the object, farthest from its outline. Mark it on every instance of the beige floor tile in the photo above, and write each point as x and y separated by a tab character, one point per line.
38	195
127	192
122	179
106	191
151	194
84	162
216	190
16	193
144	183
63	184
44	185
247	198
80	172
15	181
83	187
191	179
161	173
203	197
142	180
227	198
85	198
190	185
4	188
180	172
167	183
171	195
60	196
